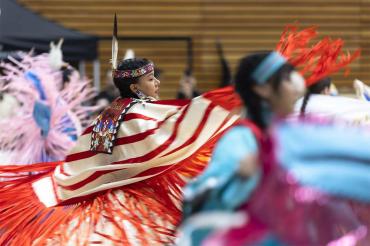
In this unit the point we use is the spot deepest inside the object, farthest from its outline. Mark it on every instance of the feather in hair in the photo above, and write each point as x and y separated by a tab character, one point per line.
114	44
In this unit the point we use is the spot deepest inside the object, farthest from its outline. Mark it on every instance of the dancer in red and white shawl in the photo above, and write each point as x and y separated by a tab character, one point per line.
122	182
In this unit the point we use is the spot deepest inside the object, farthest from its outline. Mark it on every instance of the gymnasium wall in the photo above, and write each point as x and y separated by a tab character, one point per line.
243	26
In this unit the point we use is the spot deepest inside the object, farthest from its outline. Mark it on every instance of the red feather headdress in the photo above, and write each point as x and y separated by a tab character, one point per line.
314	61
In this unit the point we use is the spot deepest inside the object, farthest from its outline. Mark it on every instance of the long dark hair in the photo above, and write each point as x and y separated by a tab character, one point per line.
244	84
316	88
123	84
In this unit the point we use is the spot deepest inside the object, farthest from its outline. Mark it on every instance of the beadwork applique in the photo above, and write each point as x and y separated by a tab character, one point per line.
106	125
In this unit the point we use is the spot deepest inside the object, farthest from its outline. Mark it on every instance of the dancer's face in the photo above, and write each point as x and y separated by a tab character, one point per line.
326	91
148	85
282	101
289	91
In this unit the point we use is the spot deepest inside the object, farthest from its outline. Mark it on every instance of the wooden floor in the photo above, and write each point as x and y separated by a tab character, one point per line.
242	25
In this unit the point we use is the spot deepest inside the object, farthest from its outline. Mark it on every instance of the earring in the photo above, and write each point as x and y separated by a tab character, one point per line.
140	94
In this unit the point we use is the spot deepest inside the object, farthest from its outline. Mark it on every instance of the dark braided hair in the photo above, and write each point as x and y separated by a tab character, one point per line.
123	84
244	84
316	88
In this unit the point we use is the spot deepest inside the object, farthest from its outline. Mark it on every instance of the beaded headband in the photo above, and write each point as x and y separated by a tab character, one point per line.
133	73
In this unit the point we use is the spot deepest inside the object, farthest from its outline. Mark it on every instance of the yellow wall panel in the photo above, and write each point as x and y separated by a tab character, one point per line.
243	26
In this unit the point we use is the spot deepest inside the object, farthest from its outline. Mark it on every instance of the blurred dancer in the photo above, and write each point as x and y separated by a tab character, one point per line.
50	113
